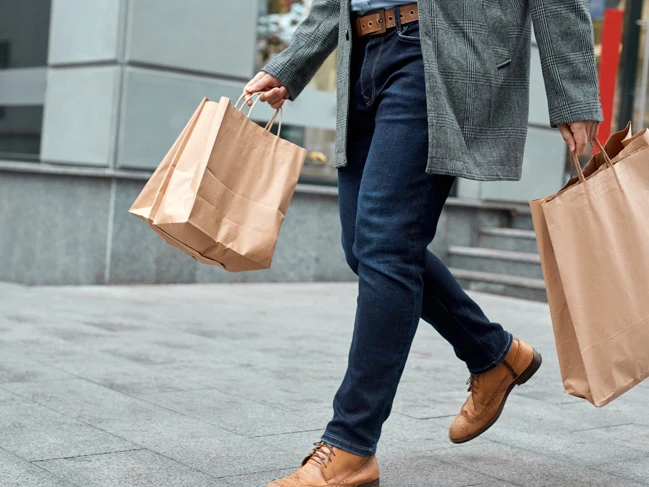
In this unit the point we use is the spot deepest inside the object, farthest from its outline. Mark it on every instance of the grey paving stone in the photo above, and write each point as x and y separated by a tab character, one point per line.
493	483
237	414
555	430
236	382
425	469
205	447
524	468
421	436
297	445
16	472
260	479
8	397
18	367
635	469
632	436
91	403
34	432
141	468
137	379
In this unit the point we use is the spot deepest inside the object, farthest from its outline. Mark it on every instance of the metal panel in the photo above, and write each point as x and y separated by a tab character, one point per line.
84	31
156	106
20	87
210	36
80	115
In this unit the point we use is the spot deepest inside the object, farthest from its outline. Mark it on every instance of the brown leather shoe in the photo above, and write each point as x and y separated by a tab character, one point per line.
489	392
328	466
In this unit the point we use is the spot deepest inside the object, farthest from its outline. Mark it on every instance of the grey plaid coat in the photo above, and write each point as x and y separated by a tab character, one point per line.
477	60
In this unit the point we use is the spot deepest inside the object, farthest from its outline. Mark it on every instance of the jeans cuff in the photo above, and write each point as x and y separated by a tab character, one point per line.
499	359
348	446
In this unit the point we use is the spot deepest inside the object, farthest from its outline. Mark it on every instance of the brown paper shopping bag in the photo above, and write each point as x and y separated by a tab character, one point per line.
593	239
157	184
221	193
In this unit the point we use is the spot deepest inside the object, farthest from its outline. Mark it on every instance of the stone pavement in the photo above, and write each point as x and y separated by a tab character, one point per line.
228	385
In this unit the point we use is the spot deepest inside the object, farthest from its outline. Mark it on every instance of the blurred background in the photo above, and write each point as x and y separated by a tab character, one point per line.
93	93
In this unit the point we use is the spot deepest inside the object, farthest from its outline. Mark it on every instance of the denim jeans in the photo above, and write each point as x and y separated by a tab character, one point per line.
389	208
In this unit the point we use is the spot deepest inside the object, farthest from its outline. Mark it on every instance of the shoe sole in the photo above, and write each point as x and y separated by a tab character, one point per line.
371	484
527	374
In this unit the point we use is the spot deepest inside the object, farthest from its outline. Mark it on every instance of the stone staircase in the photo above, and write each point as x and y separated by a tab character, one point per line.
504	261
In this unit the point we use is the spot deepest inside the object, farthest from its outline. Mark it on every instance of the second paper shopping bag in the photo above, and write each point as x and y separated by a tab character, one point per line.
221	193
594	242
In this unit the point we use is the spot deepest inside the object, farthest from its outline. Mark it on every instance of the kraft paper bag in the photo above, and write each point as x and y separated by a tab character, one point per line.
613	147
221	193
593	239
157	184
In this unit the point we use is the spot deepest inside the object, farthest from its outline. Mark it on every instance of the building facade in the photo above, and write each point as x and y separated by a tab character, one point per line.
93	93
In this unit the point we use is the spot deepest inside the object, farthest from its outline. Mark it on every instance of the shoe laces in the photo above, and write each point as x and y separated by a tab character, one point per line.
474	385
322	453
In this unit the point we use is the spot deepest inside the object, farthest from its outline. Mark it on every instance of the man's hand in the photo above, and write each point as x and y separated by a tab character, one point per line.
578	134
274	92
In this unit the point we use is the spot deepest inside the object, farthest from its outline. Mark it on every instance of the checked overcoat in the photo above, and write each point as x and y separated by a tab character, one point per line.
477	67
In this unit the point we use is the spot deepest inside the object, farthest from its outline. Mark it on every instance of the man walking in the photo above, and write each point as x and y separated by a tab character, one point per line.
427	92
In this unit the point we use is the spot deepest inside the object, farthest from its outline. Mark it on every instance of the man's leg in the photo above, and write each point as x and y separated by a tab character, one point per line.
477	341
480	343
397	210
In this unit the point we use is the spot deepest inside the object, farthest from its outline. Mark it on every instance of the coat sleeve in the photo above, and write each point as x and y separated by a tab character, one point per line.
314	40
564	33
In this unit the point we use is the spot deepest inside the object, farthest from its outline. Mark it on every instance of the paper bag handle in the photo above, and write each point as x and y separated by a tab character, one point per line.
607	159
575	160
240	108
254	104
271	122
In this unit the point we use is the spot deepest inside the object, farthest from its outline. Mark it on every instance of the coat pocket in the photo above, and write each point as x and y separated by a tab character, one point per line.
497	26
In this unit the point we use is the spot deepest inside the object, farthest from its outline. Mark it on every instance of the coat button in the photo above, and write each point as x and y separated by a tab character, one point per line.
347	35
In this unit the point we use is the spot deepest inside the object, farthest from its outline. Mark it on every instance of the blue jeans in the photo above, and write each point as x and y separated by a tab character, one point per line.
389	208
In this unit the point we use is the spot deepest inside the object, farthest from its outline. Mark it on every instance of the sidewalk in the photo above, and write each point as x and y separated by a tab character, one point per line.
229	385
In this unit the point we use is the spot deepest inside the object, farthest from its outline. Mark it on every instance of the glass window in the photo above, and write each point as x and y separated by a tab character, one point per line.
24	36
319	163
278	20
20	132
24	33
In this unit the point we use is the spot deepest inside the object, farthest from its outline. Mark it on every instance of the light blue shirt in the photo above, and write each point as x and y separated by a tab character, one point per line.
362	6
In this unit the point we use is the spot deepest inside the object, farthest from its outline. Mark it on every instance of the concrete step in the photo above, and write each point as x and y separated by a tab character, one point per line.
521	264
513	286
514	239
522	220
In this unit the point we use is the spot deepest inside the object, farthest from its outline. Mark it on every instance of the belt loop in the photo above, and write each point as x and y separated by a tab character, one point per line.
397	17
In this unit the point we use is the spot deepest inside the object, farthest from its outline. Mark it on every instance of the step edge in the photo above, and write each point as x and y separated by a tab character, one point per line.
495	254
508	232
506	279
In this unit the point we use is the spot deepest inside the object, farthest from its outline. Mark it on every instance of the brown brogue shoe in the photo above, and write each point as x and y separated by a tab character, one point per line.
490	390
328	466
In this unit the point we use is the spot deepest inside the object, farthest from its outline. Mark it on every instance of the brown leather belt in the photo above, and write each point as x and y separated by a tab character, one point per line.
379	21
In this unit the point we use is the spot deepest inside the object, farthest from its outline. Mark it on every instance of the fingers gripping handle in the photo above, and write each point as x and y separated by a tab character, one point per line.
256	97
240	108
577	165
